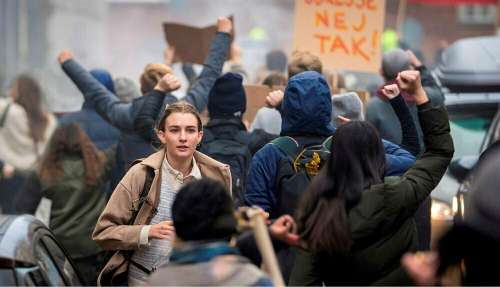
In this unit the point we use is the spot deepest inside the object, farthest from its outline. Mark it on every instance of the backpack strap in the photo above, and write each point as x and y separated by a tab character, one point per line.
327	144
144	193
288	145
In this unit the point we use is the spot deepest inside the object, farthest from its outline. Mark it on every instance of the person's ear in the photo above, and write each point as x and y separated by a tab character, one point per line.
200	136
161	136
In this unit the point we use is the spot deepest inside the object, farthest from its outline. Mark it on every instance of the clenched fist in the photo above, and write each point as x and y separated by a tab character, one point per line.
410	82
224	25
168	83
64	56
274	99
162	230
390	91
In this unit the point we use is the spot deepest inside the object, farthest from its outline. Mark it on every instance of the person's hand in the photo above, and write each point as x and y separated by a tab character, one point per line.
284	229
169	55
168	83
8	170
390	91
274	99
410	82
421	267
224	25
162	230
414	61
64	56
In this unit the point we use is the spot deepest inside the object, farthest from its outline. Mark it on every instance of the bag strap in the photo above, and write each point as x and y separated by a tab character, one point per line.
327	144
4	115
144	193
288	145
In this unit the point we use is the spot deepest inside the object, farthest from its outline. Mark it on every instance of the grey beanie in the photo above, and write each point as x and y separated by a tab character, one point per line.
482	211
126	89
393	62
348	105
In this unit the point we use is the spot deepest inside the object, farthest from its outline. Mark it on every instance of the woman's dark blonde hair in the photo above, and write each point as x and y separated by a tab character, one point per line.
29	96
70	139
180	107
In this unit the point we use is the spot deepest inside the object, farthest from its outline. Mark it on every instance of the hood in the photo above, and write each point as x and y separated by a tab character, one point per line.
104	77
307	106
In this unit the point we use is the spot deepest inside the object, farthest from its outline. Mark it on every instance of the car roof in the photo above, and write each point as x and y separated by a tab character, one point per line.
471	62
16	236
471	98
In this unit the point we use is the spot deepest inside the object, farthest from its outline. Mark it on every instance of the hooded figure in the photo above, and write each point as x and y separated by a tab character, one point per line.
306	114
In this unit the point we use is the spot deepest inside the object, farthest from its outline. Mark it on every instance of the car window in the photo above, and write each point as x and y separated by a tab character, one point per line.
468	135
62	261
47	265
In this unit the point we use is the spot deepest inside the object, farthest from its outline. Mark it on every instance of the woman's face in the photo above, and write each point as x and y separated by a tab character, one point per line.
181	135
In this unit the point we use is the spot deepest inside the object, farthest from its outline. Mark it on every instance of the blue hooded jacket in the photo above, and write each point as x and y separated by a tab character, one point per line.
306	112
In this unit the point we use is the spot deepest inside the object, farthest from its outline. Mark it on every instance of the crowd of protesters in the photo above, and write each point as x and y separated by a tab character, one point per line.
144	192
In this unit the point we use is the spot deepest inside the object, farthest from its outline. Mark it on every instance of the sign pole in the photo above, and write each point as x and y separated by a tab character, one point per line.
401	17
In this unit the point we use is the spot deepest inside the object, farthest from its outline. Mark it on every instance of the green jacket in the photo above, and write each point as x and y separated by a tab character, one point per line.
382	224
76	207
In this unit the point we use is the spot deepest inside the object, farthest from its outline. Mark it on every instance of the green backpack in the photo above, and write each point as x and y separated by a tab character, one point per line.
296	171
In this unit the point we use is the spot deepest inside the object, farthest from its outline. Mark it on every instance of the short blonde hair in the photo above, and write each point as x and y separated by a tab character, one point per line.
304	61
151	75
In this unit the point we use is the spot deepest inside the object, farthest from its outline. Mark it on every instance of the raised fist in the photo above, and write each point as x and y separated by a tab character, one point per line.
64	56
224	25
409	81
390	91
274	99
168	83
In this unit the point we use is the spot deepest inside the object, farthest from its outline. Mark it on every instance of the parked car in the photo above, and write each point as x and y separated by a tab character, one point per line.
31	256
470	79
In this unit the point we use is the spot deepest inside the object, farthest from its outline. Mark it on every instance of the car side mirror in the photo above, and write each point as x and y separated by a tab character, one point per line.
460	167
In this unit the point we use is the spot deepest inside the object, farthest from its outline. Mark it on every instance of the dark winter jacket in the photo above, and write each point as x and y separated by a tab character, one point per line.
382	116
220	128
382	225
122	115
306	113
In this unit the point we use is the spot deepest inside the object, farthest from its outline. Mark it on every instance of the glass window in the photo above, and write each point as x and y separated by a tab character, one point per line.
468	135
62	262
47	265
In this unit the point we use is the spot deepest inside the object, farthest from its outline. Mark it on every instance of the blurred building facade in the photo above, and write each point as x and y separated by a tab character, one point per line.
124	35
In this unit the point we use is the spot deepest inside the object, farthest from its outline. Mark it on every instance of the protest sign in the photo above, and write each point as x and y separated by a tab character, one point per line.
191	43
256	99
345	34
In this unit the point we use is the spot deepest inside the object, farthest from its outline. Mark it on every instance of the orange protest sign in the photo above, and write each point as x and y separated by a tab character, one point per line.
345	34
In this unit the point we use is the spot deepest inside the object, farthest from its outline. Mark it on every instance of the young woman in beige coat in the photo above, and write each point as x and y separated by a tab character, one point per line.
146	244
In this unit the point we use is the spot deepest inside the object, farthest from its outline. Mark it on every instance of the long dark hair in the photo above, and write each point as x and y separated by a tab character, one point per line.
29	96
70	139
357	161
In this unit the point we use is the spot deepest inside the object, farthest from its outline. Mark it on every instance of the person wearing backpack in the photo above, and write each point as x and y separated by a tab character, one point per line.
137	220
226	138
282	169
356	222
